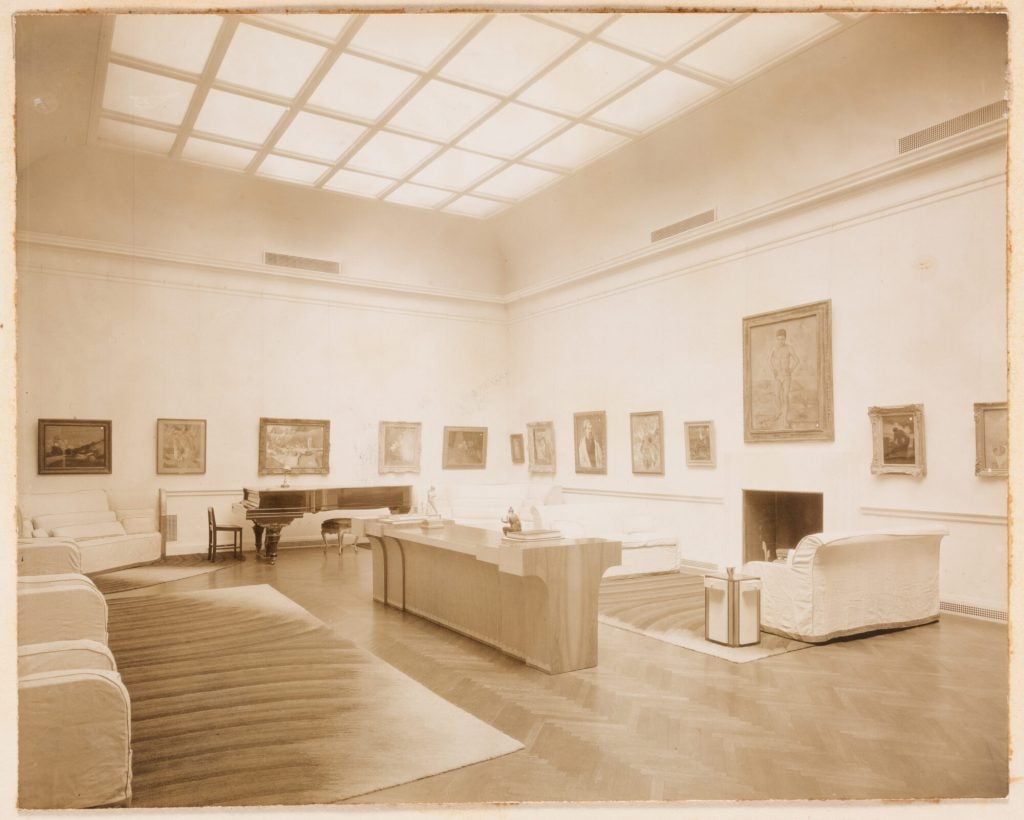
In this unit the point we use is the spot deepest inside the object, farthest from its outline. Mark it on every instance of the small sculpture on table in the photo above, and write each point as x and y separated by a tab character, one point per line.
432	516
513	522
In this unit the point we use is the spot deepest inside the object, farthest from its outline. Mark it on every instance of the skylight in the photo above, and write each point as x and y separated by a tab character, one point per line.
461	113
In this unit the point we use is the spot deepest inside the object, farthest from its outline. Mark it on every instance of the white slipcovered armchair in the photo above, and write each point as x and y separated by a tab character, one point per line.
837	584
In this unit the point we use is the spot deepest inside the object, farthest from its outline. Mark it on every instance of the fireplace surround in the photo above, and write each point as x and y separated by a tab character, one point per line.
777	519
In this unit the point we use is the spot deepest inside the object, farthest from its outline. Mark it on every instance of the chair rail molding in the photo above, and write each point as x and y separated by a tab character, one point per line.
936	515
646	496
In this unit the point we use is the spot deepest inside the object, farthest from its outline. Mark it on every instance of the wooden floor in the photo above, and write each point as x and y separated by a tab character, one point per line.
918	713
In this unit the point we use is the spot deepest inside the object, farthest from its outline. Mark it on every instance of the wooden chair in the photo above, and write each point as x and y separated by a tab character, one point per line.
213	546
339	527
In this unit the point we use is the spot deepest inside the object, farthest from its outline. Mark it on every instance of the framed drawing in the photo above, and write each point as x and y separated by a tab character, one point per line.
295	447
700	443
464	448
787	375
590	439
897	435
399	447
647	443
73	447
992	436
180	446
540	446
518	448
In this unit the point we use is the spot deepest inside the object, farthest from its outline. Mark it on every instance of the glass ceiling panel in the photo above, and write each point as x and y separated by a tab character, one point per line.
352	182
660	35
577	146
391	154
270	62
654	100
755	41
586	77
361	87
511	130
294	170
509	50
242	118
217	153
181	41
417	195
146	95
414	39
474	206
581	21
441	110
456	169
319	137
322	25
517	181
133	136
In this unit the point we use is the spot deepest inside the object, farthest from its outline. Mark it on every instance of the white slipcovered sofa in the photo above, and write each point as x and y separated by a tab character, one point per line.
647	545
484	505
837	584
74	712
106	538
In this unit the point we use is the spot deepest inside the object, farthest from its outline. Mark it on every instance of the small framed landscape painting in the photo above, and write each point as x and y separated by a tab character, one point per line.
897	435
464	448
180	446
295	447
591	440
399	447
647	443
540	446
700	443
518	448
74	447
787	375
992	433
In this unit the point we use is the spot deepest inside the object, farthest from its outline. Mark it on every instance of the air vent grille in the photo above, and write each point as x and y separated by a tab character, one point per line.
285	260
974	611
956	125
169	527
686	225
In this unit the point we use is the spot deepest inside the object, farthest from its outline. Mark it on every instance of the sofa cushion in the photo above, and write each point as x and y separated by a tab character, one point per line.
100	529
33	504
52	520
649	538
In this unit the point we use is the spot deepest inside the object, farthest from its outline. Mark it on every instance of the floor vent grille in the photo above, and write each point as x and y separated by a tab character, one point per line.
284	260
956	125
973	611
169	527
688	224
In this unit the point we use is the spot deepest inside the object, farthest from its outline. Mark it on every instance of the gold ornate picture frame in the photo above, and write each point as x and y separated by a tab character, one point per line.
647	442
74	447
399	447
699	437
897	435
464	448
180	446
294	446
540	447
991	432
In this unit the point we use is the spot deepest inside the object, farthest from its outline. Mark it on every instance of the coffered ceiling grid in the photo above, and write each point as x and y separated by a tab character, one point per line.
462	113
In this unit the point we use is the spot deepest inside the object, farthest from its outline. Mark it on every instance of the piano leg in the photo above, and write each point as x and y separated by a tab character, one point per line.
257	531
273	536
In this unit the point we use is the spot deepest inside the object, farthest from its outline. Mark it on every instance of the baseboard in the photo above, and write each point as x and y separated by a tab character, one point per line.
973	611
687	563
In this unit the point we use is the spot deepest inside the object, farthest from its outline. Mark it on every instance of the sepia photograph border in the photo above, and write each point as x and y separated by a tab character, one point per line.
981	468
162	426
699	462
108	460
531	453
633	417
878	465
446	455
383	466
325	453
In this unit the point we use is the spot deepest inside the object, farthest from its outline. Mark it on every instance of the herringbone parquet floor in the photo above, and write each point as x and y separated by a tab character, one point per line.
919	713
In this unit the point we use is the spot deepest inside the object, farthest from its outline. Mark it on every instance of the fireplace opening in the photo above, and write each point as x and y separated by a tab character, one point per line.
774	520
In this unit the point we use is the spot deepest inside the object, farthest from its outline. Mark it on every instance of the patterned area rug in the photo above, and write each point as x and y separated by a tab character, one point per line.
670	608
240	697
171	568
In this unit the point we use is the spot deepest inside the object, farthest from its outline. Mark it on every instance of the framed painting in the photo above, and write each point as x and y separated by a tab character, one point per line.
897	435
74	447
700	443
787	375
180	446
992	439
399	447
518	448
647	443
590	438
464	448
540	446
295	447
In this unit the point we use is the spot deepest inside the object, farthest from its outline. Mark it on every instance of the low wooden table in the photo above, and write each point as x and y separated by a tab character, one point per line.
732	608
534	601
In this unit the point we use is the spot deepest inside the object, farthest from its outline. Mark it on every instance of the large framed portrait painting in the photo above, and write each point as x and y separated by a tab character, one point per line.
294	447
787	375
74	447
464	448
591	439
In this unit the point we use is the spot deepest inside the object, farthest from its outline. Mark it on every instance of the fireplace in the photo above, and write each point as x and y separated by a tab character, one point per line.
774	520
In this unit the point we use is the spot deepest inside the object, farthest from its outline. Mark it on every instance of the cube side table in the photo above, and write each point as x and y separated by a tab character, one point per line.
732	608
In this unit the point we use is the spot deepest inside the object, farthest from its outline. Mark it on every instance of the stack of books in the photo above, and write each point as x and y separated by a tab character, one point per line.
531	536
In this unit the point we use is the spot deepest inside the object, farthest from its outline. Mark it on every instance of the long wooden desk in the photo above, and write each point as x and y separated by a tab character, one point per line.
534	601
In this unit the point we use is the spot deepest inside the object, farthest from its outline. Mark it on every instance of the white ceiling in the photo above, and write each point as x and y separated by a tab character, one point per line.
462	113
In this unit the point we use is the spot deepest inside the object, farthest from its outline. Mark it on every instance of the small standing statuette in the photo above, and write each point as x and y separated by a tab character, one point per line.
729	571
514	524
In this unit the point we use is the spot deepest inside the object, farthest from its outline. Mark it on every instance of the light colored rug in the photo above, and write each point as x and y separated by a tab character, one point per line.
240	697
670	608
172	568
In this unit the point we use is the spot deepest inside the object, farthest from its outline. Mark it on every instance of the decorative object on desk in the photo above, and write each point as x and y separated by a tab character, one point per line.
431	507
647	442
464	448
399	447
294	447
541	446
518	448
180	446
897	435
512	521
991	430
74	447
590	435
700	443
787	375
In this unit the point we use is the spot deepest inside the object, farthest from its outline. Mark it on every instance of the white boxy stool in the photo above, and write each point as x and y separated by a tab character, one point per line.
732	608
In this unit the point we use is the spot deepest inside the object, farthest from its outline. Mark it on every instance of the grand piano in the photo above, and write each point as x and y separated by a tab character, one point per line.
271	509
